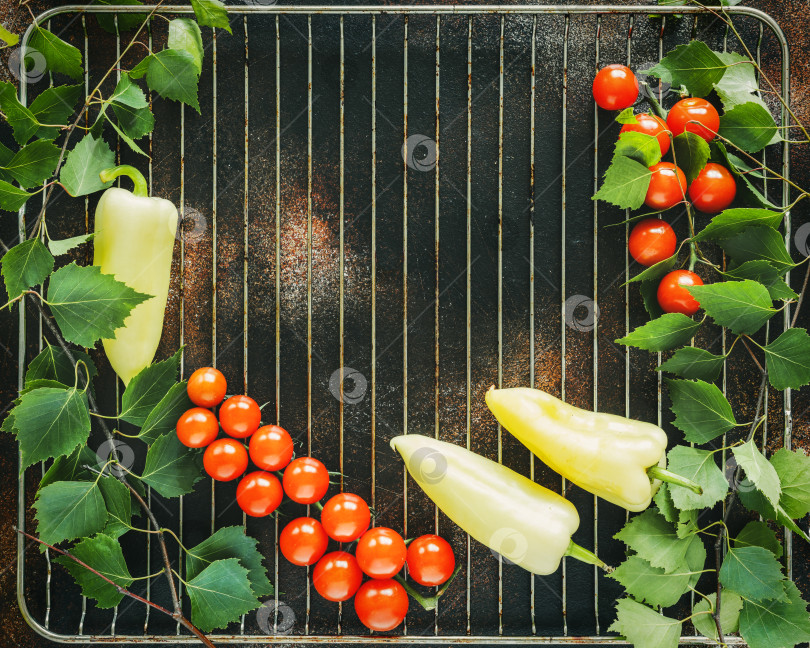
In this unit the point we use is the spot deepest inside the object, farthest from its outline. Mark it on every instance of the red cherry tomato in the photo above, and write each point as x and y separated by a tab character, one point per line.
381	552
430	560
615	87
345	517
652	240
240	416
673	296
713	190
650	125
259	493
303	541
381	605
694	109
271	447
337	576
306	480
197	427
225	459
206	387
667	186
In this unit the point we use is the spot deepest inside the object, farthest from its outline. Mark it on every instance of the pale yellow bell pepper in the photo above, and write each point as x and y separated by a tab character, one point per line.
619	459
515	517
134	241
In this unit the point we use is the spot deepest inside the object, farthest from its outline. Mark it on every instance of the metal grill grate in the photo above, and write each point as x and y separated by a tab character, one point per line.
436	237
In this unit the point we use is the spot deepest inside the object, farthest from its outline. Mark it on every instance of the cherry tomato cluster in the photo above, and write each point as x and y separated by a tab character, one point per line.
380	553
652	240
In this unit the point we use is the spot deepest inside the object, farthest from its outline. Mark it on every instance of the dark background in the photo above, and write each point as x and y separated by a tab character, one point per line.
14	631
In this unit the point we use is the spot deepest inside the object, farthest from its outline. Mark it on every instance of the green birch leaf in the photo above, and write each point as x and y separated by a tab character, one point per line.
663	500
656	271
701	411
50	422
220	594
148	388
669	331
687	523
753	500
68	510
11	197
758	534
54	106
691	153
33	164
128	93
758	470
163	417
694	363
699	466
693	65
649	296
60	56
53	364
89	305
25	265
231	542
627	116
730	606
644	627
787	359
640	147
20	118
140	70
103	554
733	221
127	139
738	83
171	468
759	243
754	573
626	183
776	624
764	273
173	75
63	246
184	34
654	539
793	469
118	501
134	122
211	13
741	306
750	126
126	21
71	467
747	193
79	174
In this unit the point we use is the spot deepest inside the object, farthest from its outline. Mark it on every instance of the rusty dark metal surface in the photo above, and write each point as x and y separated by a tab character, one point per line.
210	332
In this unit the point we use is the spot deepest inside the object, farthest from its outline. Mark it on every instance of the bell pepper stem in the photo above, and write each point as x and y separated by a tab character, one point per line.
140	189
656	472
581	553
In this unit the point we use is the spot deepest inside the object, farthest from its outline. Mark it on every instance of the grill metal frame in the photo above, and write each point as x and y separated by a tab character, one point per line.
42	627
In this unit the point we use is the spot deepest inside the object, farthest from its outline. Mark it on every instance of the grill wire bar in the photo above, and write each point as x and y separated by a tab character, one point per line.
447	46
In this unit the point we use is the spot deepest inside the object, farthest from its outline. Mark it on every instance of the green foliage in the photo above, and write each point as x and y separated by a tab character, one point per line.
25	265
173	75
694	66
89	305
118	501
20	118
68	510
700	409
54	106
59	55
33	163
759	243
793	471
103	554
63	246
640	147
730	606
148	388
184	34
11	197
758	534
749	126
758	470
220	594
654	539
754	573
71	467
124	21
691	152
163	417
627	116
733	221
694	363
775	623
644	627
700	466
740	306
656	271
53	363
171	468
787	359
211	13
79	175
764	273
626	183
667	332
738	83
